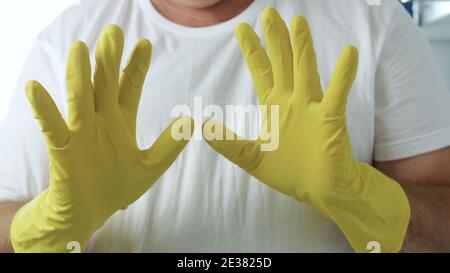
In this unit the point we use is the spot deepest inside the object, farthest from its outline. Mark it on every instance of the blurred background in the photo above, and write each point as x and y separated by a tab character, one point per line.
22	20
433	16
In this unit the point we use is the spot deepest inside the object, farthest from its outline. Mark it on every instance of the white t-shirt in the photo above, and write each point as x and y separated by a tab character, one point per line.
399	107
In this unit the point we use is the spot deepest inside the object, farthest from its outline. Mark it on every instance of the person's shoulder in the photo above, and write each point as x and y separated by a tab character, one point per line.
85	20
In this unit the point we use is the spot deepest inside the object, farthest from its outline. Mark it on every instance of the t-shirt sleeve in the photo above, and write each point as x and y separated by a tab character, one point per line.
23	154
412	100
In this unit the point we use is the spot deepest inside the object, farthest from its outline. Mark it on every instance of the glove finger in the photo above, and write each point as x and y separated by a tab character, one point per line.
53	126
168	146
132	82
106	77
306	76
79	86
280	49
257	60
335	101
244	153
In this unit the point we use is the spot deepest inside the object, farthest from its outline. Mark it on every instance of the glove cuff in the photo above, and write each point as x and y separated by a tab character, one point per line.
374	210
37	227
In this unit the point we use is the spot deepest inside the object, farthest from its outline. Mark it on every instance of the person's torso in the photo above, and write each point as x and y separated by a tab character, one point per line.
204	202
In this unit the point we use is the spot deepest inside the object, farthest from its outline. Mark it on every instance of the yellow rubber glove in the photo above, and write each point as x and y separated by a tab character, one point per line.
96	167
314	161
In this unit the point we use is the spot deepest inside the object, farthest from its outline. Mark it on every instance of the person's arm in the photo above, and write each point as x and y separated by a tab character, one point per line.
426	180
7	212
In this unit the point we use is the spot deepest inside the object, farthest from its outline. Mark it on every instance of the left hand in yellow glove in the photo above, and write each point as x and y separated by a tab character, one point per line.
314	161
96	167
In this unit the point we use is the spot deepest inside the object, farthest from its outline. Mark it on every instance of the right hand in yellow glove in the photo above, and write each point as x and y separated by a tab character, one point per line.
96	167
314	161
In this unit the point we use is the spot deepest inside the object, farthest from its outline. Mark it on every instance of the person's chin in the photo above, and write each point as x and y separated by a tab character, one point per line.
197	4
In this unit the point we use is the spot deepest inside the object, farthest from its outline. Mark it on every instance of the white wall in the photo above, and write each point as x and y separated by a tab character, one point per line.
438	33
20	22
442	51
